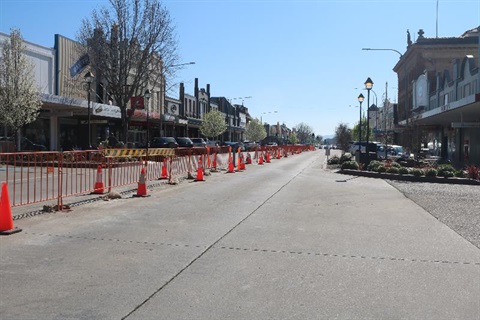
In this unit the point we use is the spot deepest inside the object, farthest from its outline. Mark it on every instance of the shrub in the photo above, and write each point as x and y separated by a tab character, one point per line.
374	165
395	164
345	157
472	172
403	170
381	169
445	170
418	172
460	174
447	174
334	160
431	172
353	165
393	170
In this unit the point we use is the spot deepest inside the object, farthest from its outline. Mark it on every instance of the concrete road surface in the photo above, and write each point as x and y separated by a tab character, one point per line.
286	240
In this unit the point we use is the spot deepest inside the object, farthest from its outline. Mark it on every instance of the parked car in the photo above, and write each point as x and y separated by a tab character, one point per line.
184	142
198	142
395	150
372	147
28	145
251	145
164	142
235	145
212	143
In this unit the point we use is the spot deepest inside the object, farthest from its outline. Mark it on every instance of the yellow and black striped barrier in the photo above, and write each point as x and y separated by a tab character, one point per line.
121	153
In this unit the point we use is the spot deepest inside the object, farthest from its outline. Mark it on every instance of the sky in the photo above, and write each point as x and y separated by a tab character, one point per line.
287	61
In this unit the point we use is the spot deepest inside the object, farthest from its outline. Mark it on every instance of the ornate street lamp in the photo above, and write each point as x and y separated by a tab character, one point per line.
368	86
360	99
147	106
89	77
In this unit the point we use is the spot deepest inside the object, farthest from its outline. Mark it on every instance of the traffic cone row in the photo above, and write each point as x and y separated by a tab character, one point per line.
6	218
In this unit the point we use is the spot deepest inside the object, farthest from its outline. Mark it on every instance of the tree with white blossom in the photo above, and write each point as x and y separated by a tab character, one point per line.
19	99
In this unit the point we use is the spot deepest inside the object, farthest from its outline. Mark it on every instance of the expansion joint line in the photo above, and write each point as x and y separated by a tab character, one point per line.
213	244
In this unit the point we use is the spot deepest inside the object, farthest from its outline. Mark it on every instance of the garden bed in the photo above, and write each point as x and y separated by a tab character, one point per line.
409	177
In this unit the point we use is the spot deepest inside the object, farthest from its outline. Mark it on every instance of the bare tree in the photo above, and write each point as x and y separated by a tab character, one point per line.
255	131
132	46
213	124
304	132
19	101
343	136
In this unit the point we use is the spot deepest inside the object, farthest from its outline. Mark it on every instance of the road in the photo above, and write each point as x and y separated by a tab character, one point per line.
286	240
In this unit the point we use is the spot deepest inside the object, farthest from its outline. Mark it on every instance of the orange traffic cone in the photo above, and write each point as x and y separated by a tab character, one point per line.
239	163
200	170
99	186
164	169
214	162
268	157
6	219
278	154
142	187
231	168
260	159
249	159
242	162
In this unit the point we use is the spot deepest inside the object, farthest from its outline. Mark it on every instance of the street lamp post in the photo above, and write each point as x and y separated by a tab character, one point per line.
368	86
405	77
89	79
147	106
360	100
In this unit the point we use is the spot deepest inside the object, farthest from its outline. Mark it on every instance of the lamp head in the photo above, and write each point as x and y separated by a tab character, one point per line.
147	94
361	98
368	84
89	77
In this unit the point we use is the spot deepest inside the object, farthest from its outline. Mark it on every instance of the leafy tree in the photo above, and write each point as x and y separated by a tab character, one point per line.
304	132
213	124
343	136
132	46
255	130
293	138
364	131
19	101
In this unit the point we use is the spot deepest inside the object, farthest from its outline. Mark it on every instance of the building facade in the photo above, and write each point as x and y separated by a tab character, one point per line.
438	98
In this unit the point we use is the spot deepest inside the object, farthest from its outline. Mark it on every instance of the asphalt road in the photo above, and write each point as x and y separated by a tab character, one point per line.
286	240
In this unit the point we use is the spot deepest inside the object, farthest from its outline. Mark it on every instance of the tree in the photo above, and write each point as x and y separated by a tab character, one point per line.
255	131
304	132
213	124
293	138
19	101
132	46
364	131
343	136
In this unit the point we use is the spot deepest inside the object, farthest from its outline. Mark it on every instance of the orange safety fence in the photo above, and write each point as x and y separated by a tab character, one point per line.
34	177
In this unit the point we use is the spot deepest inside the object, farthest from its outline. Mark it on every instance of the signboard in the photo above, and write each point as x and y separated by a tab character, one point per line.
327	151
78	66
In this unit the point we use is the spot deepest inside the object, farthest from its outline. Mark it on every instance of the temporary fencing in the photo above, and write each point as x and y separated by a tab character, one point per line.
34	177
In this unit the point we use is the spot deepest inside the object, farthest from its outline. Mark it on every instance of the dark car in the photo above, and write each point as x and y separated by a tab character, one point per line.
184	142
198	142
235	145
28	145
164	142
